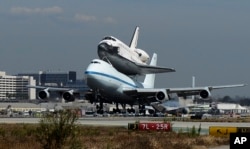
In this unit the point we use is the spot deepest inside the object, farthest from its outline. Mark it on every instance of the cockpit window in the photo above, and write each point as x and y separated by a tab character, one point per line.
108	38
95	62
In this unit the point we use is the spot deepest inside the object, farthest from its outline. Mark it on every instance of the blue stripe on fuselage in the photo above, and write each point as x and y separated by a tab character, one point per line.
112	77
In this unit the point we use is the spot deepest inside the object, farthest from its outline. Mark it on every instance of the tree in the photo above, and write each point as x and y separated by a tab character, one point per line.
227	99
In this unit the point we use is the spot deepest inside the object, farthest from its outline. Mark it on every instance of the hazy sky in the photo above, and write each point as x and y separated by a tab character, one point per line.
209	39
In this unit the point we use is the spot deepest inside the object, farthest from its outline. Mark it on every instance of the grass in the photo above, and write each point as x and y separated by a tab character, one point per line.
22	136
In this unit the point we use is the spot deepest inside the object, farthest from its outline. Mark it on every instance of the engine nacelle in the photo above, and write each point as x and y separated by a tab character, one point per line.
144	57
151	111
205	94
68	96
161	96
44	94
185	110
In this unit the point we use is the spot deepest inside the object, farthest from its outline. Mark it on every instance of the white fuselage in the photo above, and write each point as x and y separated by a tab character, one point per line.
103	78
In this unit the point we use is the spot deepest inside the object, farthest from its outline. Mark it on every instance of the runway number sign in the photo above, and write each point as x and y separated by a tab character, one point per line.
154	126
150	126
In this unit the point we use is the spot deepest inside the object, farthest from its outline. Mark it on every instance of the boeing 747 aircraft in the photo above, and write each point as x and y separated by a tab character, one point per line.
128	60
109	85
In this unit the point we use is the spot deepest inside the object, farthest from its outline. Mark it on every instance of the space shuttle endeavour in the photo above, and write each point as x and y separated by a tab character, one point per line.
129	60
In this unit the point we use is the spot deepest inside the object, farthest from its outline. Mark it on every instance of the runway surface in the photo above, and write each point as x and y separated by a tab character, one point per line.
123	121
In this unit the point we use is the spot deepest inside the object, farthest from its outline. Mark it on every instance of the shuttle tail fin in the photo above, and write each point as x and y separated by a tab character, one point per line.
134	39
149	81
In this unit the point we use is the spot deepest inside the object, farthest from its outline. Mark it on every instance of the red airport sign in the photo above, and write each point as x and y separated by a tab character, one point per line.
155	126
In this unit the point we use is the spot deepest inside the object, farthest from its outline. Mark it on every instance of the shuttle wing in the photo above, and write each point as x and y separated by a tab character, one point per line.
147	69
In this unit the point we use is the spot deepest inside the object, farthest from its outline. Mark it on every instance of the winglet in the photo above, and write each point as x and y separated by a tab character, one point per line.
134	39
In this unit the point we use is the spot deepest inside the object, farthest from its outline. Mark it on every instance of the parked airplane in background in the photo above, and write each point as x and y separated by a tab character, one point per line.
174	110
177	105
127	59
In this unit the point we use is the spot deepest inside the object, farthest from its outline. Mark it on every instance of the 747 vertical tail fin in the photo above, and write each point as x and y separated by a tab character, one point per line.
149	81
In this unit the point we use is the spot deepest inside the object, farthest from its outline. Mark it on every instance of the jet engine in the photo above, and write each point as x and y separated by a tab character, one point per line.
144	57
205	94
44	94
68	96
151	111
160	96
185	110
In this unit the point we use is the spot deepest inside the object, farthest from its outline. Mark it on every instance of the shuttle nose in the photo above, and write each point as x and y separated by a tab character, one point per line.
104	47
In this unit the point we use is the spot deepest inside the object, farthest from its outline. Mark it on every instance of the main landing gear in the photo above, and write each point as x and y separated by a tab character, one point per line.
142	109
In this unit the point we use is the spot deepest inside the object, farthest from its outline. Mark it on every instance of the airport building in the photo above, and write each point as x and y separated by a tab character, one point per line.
232	108
57	79
14	87
45	78
221	109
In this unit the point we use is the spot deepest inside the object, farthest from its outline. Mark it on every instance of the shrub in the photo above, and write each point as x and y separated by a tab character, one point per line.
58	129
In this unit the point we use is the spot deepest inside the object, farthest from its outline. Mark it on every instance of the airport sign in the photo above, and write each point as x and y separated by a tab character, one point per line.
220	131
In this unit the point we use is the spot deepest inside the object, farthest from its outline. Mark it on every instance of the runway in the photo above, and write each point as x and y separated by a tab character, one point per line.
123	121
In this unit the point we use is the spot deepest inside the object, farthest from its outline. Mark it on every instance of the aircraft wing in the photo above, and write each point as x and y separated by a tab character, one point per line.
50	88
204	92
147	69
161	94
147	94
68	94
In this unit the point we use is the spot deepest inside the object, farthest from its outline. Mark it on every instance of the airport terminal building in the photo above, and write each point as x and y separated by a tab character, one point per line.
47	78
57	79
14	87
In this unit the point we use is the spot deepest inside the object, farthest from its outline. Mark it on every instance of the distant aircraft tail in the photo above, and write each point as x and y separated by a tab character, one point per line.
134	39
193	85
149	81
